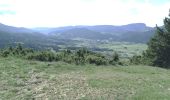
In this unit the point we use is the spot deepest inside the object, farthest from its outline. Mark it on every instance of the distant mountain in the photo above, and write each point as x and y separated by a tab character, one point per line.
10	35
135	27
46	30
100	28
43	30
137	32
13	35
119	29
139	37
11	29
84	34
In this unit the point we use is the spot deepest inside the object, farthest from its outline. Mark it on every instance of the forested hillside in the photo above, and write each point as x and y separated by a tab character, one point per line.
37	38
126	33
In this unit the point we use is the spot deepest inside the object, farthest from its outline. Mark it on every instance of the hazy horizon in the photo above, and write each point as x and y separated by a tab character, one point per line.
73	25
59	13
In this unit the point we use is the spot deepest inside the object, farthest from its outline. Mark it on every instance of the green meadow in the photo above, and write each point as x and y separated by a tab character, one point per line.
34	80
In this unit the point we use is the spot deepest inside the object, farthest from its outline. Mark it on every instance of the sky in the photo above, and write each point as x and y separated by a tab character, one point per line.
56	13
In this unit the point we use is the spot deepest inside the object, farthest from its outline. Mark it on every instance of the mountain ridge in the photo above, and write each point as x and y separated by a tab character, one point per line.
99	28
13	29
135	32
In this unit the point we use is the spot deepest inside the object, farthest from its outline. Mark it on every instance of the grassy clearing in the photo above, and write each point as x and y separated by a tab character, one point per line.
125	49
22	79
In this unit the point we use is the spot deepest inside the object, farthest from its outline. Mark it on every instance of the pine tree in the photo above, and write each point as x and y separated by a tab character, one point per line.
159	46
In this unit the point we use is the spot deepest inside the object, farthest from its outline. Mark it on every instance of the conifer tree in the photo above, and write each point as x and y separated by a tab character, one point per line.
159	46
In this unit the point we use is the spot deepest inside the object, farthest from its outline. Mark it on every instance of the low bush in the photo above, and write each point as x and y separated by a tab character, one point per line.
92	59
137	59
81	56
42	56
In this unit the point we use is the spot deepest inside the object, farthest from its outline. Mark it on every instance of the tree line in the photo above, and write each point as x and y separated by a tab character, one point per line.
81	56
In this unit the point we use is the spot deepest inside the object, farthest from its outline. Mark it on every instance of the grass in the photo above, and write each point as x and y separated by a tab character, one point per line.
125	49
25	80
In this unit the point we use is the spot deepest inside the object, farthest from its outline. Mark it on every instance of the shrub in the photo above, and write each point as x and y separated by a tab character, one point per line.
42	56
5	53
81	56
115	59
92	59
136	60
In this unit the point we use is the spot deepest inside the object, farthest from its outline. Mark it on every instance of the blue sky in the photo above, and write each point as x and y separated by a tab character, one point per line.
54	13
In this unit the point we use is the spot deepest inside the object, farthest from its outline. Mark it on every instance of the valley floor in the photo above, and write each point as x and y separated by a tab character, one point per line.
23	79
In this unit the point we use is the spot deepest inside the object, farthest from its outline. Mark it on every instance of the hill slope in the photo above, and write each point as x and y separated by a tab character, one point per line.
22	79
84	33
137	32
11	29
128	33
11	35
99	28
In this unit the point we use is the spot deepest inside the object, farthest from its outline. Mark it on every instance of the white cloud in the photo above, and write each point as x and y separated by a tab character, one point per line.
53	13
